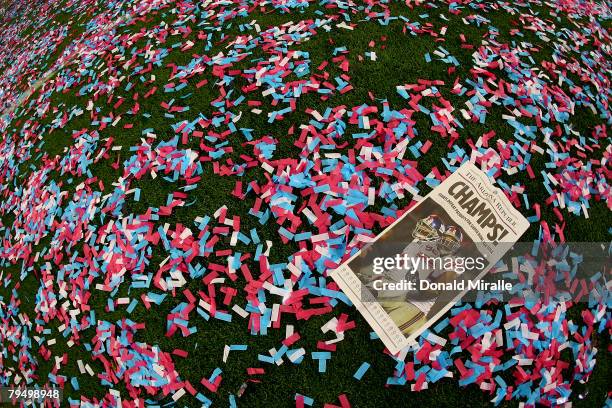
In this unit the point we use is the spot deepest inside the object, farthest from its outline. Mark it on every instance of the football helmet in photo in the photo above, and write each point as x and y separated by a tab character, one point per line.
428	228
450	240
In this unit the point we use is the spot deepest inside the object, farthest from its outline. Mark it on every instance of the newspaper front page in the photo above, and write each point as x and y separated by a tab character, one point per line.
422	264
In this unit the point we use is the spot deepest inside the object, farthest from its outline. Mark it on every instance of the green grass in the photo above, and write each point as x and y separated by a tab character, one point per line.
400	62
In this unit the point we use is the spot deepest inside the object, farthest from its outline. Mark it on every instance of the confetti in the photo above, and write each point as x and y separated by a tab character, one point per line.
207	170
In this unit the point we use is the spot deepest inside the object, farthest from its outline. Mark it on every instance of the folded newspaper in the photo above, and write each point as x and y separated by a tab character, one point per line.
421	265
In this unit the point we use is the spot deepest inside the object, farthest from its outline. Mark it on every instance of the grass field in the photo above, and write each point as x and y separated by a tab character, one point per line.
68	147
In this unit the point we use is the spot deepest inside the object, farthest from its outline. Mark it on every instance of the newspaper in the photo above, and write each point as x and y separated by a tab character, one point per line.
421	265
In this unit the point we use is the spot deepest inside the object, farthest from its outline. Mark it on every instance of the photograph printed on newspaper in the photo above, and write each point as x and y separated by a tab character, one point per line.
422	264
